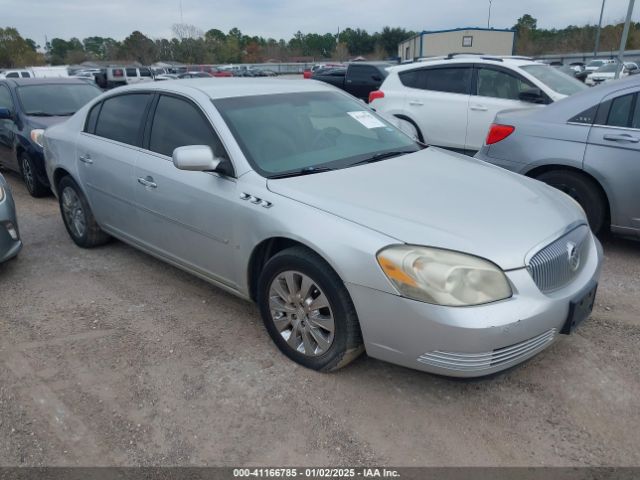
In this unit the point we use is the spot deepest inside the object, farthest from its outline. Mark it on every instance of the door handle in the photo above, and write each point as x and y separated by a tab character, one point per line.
147	182
623	137
86	158
479	108
415	103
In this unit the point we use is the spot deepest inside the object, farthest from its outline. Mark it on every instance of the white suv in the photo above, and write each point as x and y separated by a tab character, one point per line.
450	102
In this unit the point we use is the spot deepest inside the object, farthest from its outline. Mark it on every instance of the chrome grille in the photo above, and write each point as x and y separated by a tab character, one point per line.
472	362
552	267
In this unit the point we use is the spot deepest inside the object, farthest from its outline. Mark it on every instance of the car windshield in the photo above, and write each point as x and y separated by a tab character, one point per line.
55	99
554	79
608	68
595	63
309	131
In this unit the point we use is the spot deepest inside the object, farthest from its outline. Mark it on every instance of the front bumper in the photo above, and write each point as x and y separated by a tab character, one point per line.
10	243
469	341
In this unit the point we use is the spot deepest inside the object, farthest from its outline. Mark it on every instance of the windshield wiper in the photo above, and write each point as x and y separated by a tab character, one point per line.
39	114
382	156
302	171
64	114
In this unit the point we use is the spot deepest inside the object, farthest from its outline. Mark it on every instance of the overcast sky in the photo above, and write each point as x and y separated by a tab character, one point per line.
282	18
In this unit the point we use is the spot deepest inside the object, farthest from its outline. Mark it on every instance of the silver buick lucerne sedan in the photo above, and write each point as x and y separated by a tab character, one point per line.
348	234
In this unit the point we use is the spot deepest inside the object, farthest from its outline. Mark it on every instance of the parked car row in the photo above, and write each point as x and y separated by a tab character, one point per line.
316	206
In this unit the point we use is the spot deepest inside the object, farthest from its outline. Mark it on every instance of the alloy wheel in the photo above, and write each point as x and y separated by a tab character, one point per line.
73	212
301	313
27	173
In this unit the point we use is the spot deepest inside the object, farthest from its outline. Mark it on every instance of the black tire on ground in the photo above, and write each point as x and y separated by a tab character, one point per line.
582	189
347	342
30	178
93	235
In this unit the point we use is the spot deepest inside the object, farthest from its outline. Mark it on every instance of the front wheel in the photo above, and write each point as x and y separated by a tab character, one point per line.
77	216
308	311
30	177
409	128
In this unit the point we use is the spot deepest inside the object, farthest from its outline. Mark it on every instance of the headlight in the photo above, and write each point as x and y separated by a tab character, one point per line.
443	277
37	135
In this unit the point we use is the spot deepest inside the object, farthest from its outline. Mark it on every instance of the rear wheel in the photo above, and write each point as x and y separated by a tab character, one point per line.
583	190
77	216
308	311
28	170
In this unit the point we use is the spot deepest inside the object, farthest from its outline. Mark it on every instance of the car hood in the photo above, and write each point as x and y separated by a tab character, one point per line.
442	199
44	122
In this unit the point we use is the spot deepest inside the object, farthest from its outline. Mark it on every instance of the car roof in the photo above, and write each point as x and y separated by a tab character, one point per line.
216	88
44	81
484	59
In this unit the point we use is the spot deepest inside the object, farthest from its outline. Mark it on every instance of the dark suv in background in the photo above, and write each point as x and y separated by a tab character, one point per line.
27	107
359	78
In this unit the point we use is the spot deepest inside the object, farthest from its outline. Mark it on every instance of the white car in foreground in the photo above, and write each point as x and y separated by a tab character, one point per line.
450	102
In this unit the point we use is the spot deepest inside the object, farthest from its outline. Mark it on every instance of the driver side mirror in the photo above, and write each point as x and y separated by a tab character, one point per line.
532	95
195	158
5	114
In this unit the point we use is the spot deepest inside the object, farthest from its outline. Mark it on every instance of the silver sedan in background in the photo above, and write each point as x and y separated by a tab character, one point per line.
10	243
348	234
587	145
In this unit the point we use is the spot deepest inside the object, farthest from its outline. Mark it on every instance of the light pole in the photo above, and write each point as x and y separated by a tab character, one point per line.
597	47
489	17
623	40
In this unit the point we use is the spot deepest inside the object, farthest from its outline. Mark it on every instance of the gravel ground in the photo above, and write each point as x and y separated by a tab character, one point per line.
110	357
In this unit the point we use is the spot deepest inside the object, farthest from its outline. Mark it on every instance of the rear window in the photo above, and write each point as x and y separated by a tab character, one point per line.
121	117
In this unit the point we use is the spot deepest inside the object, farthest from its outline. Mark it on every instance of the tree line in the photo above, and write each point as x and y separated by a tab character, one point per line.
191	45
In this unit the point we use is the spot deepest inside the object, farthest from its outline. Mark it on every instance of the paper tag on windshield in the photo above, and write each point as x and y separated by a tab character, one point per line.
366	119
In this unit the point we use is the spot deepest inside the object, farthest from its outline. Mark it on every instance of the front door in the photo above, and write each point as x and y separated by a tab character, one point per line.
185	216
613	156
496	90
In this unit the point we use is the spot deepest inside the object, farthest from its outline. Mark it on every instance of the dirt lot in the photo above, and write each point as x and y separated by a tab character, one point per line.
110	357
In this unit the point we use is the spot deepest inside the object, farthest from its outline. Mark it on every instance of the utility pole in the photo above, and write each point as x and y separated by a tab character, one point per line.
181	17
597	47
623	40
489	17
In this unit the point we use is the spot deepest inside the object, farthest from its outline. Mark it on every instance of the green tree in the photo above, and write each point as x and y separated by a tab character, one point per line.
389	38
15	51
138	47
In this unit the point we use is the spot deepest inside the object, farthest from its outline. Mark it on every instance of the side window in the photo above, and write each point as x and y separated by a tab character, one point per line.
131	72
449	80
178	123
25	74
145	72
13	75
635	120
121	117
499	84
92	118
5	98
620	111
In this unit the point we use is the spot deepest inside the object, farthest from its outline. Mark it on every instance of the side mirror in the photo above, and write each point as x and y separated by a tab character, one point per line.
5	114
196	158
532	95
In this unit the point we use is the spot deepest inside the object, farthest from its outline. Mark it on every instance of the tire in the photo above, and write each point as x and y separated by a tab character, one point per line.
77	216
34	185
328	351
584	191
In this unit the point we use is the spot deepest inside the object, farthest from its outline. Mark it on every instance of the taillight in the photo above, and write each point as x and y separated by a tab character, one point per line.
497	133
117	73
375	95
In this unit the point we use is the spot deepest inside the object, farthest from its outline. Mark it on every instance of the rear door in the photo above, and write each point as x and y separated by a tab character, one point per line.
106	152
186	216
495	89
437	100
613	155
